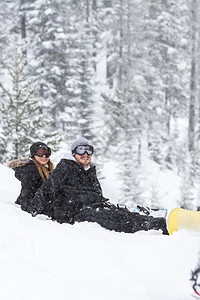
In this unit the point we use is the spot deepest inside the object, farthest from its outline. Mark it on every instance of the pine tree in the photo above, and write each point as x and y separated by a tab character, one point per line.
167	29
62	62
8	35
21	121
46	37
80	73
187	187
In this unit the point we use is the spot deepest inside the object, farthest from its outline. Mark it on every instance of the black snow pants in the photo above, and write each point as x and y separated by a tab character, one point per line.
120	219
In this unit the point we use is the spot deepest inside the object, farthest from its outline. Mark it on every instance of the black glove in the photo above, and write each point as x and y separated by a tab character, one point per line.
32	210
34	213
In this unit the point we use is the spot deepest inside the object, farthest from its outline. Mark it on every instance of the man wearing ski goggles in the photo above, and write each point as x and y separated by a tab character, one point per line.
82	154
81	150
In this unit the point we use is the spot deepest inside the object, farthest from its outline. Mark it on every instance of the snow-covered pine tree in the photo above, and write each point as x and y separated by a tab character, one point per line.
193	77
166	27
8	34
84	102
47	43
80	78
21	120
190	173
187	187
125	109
130	169
62	62
148	66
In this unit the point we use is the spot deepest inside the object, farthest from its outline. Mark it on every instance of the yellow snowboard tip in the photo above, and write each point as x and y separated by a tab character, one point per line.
180	219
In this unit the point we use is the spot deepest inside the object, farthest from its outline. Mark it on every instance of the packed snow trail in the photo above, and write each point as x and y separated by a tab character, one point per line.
41	259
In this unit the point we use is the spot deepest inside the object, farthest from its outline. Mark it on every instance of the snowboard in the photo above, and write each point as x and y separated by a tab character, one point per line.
180	219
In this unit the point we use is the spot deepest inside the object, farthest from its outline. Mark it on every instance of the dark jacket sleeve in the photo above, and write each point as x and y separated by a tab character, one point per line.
30	183
50	190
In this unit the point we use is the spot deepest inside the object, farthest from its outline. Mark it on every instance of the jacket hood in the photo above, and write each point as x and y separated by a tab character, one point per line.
72	158
69	157
20	162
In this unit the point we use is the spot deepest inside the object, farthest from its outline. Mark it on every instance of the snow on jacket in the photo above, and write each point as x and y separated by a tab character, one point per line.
26	172
69	189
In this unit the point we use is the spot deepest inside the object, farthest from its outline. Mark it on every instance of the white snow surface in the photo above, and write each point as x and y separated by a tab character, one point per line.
44	260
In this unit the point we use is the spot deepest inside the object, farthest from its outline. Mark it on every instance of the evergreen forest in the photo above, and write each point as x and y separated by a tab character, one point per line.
123	73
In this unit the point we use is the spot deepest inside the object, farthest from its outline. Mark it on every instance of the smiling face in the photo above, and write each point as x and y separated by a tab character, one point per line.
84	159
42	160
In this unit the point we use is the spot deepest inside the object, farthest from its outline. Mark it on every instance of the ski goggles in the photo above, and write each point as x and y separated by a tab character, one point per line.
81	150
43	151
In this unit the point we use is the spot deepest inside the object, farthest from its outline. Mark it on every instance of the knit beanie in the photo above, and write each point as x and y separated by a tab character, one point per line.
80	142
35	146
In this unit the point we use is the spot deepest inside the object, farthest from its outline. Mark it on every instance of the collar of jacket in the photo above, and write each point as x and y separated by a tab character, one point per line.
71	158
20	162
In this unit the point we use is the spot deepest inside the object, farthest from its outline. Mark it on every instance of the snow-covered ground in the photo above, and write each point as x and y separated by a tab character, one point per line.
44	260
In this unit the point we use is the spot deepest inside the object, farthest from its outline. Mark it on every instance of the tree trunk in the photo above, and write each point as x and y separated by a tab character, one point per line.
191	128
87	10
120	45
23	25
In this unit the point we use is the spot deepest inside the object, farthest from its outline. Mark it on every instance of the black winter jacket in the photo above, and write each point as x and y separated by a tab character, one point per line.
26	172
73	194
69	189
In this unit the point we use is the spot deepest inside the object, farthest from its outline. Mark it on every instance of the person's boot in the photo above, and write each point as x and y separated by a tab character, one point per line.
159	223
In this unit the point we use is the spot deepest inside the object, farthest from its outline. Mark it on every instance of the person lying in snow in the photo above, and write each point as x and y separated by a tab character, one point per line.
32	172
73	194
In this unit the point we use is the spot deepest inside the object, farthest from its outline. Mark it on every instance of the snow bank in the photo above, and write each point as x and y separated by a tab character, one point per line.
41	259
